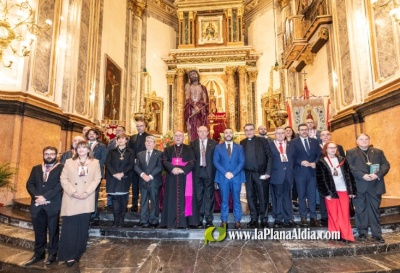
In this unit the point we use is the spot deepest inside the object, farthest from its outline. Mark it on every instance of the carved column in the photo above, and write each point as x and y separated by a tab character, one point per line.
230	98
170	92
180	99
253	96
242	96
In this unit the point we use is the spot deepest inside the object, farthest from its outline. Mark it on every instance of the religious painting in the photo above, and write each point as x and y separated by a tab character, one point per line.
154	111
112	89
210	30
309	109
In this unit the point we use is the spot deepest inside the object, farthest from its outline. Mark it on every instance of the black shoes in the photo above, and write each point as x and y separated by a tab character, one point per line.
290	224
51	259
303	222
154	225
315	223
209	224
362	237
378	239
252	224
34	260
134	209
70	263
324	222
278	224
264	224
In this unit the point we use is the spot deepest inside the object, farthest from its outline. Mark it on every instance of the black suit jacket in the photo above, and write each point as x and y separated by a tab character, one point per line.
263	154
358	165
100	153
138	146
210	168
51	190
154	168
115	165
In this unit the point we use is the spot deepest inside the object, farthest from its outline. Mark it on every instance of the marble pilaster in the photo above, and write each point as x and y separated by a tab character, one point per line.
230	98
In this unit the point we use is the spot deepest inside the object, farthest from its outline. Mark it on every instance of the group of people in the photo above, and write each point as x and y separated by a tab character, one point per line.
310	165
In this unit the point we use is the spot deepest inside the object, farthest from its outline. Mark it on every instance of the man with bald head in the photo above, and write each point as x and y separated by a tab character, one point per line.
368	166
326	137
204	173
69	154
262	131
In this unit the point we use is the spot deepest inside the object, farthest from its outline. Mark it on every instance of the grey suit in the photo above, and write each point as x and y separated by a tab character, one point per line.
149	190
369	193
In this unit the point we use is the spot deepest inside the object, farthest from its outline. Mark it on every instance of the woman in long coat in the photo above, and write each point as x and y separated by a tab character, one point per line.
80	177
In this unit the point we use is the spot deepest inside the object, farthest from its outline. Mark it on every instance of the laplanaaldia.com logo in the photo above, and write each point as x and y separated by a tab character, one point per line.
209	234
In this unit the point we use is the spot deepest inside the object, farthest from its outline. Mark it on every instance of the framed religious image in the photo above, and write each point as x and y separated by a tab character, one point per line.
112	89
154	113
210	30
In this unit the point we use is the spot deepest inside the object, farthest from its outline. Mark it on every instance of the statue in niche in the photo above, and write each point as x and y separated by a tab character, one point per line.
196	105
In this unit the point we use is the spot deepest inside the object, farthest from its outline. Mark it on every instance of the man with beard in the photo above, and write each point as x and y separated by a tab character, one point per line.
368	166
100	153
45	190
229	162
262	131
137	144
180	208
196	105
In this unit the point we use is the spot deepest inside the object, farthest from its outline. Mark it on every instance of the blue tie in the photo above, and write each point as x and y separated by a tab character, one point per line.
307	146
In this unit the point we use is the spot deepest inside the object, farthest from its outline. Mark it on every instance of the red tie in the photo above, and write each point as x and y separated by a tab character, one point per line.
280	148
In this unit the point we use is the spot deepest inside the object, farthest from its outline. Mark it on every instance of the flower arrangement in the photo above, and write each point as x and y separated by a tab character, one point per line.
166	140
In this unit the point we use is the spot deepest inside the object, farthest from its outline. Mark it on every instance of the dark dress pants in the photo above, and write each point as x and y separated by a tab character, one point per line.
306	185
282	201
367	212
205	192
43	221
257	192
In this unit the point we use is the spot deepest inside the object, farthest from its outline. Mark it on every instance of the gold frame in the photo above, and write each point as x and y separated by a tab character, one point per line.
155	107
210	30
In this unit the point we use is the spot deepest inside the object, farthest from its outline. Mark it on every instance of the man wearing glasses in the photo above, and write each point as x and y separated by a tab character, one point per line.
306	153
45	189
137	144
312	131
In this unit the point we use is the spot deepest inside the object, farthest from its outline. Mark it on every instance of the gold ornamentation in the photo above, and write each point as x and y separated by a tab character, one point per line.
170	79
307	56
229	70
137	7
253	75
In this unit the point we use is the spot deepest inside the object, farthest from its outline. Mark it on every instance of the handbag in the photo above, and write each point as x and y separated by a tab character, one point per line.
352	210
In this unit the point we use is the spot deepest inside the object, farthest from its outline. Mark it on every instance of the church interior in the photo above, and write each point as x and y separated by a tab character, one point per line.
67	64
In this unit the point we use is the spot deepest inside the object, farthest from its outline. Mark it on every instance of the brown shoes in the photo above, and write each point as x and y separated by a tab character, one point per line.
238	225
303	222
315	223
223	224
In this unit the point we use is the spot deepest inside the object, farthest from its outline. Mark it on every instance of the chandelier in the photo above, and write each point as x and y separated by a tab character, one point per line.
17	30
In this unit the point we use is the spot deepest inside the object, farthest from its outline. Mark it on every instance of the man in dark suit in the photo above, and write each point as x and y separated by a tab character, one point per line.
282	179
368	166
148	166
326	137
258	162
99	151
306	153
229	162
69	154
204	174
137	143
45	189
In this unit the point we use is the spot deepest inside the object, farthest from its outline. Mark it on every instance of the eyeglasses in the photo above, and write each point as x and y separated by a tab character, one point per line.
280	133
49	154
331	147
